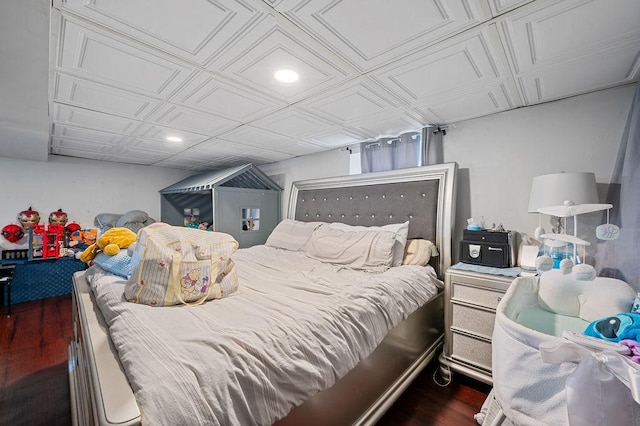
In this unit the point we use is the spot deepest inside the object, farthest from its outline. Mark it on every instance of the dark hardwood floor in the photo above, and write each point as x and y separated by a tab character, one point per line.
34	387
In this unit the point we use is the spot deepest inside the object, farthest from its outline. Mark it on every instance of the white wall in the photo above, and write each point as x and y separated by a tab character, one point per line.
82	188
499	155
323	164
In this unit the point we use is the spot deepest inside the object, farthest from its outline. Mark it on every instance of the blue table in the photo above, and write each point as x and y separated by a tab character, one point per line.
40	279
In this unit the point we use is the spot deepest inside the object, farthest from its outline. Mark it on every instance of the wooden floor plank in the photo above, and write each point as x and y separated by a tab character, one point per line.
34	387
34	384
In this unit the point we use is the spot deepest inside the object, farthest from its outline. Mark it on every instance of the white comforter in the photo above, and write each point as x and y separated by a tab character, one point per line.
295	326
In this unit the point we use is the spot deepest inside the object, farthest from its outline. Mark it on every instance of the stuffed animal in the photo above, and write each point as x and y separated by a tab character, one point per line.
109	243
615	328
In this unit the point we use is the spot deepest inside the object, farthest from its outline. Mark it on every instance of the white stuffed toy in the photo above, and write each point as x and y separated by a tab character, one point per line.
576	291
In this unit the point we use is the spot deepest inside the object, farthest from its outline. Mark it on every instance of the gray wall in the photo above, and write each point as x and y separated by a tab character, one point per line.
228	203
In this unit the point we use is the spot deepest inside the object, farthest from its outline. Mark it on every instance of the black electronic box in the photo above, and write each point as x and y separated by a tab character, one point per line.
487	248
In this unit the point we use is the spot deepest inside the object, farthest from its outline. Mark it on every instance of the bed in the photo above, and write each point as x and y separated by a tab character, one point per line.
355	383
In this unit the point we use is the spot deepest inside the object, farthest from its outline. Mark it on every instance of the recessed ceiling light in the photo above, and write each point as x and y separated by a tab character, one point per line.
286	76
174	139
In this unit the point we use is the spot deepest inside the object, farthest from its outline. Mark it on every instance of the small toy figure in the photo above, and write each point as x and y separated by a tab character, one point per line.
12	233
72	227
89	236
58	217
69	231
204	226
29	218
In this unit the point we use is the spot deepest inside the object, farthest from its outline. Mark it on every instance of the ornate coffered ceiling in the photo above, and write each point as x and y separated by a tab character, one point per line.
125	74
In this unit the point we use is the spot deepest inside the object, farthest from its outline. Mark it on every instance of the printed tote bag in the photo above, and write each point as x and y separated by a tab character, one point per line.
174	265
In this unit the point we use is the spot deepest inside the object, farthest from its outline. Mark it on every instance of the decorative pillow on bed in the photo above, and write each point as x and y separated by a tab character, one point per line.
292	234
400	231
134	220
119	264
419	252
174	265
363	250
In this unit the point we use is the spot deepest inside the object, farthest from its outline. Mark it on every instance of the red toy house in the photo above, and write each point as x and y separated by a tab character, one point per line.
45	242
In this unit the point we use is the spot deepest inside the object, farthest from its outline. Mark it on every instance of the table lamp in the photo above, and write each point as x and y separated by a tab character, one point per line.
556	188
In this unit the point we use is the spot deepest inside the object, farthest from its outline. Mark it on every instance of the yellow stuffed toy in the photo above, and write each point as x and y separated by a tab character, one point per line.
109	243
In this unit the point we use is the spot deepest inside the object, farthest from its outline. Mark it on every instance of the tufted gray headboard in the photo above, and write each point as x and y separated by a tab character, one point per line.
425	196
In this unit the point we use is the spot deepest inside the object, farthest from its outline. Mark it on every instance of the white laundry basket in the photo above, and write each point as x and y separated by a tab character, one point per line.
535	311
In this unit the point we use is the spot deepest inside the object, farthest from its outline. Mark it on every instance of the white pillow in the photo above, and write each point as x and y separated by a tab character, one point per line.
291	234
400	231
370	251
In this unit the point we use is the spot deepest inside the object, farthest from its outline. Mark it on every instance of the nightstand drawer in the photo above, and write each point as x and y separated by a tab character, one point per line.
476	295
476	321
472	350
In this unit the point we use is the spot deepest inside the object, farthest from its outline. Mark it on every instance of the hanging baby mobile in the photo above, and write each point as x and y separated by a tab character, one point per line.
561	250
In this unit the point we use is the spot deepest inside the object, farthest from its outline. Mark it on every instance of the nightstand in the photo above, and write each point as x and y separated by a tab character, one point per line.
470	300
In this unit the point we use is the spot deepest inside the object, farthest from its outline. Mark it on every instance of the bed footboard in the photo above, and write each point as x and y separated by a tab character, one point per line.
366	392
100	391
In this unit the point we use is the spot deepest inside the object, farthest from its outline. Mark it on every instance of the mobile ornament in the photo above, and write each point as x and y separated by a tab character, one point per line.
607	231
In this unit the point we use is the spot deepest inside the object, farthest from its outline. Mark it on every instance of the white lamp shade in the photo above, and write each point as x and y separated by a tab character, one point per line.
554	189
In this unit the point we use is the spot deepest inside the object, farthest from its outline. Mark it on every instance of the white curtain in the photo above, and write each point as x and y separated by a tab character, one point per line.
620	258
409	149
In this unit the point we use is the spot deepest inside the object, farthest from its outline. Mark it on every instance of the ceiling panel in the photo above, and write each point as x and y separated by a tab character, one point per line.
125	75
92	96
272	45
498	7
185	119
103	57
355	100
294	123
195	30
571	47
255	137
82	135
218	152
393	124
81	117
338	137
215	95
372	33
161	133
453	68
485	101
566	30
